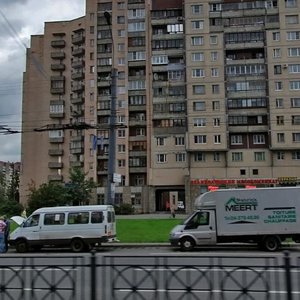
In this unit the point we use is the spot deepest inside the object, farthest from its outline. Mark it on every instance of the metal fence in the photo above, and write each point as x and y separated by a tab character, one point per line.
93	276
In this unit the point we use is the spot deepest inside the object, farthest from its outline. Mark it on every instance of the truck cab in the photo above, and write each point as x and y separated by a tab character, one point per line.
198	229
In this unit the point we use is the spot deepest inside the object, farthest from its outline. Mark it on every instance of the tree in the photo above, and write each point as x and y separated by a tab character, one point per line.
79	190
47	195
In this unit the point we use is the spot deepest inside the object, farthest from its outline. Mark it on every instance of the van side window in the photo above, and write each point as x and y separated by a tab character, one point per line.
110	217
54	219
97	217
32	221
199	219
78	218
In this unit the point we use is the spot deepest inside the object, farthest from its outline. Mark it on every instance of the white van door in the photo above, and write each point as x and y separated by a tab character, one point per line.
203	227
31	228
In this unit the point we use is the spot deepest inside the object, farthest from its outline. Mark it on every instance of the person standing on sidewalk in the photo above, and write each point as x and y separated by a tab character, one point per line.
2	235
6	233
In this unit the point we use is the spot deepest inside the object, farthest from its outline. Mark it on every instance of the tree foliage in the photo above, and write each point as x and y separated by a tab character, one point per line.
76	192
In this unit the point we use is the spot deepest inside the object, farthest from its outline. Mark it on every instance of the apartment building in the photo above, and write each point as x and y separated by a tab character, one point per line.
207	97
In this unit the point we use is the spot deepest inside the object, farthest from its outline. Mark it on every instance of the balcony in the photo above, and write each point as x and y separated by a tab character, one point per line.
57	115
58	55
55	152
78	39
55	165
79	150
77	87
77	75
77	64
58	44
77	99
58	67
55	177
57	140
74	164
78	52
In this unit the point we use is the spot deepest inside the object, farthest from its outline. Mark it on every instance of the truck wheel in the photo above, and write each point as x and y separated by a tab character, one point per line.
21	246
271	243
187	244
77	245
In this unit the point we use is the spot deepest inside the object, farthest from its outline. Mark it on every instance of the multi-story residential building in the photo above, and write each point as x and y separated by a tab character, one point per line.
7	171
207	97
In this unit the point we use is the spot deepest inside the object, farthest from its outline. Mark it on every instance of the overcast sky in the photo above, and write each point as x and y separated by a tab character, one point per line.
19	19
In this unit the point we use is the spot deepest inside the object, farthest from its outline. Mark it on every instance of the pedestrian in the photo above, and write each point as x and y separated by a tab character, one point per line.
6	233
172	211
2	235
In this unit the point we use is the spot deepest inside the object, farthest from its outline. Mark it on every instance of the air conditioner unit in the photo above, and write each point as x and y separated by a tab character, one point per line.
285	66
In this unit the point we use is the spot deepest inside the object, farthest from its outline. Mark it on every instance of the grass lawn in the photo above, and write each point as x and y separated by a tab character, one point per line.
145	230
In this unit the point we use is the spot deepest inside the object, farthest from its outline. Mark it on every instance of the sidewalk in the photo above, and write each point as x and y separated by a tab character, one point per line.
163	215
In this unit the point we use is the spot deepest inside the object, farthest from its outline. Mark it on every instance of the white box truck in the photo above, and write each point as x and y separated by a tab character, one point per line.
77	227
265	216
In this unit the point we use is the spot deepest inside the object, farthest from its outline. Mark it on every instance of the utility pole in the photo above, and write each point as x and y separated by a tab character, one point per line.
113	123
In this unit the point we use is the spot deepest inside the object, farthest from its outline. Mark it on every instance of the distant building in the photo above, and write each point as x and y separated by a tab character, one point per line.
7	169
207	96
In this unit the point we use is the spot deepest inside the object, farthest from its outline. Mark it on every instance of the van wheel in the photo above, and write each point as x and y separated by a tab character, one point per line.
77	245
271	243
21	246
187	244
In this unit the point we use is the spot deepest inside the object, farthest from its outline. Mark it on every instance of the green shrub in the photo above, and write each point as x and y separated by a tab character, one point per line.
124	209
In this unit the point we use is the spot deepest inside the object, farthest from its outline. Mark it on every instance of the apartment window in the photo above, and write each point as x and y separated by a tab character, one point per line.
121	148
280	120
197	40
196	73
136	27
213	39
236	140
199	156
259	156
199	122
277	69
56	134
121	5
198	89
278	85
216	105
296	155
199	106
242	172
214	72
56	108
160	60
276	36
214	56
280	155
197	9
161	158
280	137
217	139
293	35
136	85
216	122
296	120
276	53
279	103
140	132
121	133
215	89
160	141
255	172
294	85
136	55
180	157
294	68
179	141
121	20
259	139
200	139
296	137
292	19
295	102
198	56
121	33
237	156
121	163
217	156
291	3
215	7
198	24
136	13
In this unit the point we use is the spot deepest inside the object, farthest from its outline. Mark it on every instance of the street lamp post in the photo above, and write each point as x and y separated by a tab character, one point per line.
112	123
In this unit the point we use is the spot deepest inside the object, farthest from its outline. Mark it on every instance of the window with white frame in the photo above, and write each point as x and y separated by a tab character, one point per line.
199	122
237	156
294	68
293	35
294	85
280	137
136	27
296	120
216	105
197	40
180	157
197	56
278	86
200	139
236	140
294	52
217	139
280	120
136	55
197	9
216	122
213	39
276	53
160	141
121	163
140	132
295	102
217	156
179	141
121	148
276	36
296	137
280	155
214	72
214	56
279	103
291	3
56	108
160	60
296	155
56	134
196	73
199	156
136	13
136	85
121	133
121	33
197	24
259	139
199	89
161	158
259	156
175	28
292	19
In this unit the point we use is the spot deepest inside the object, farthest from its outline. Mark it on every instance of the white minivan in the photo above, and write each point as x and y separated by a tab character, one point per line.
78	227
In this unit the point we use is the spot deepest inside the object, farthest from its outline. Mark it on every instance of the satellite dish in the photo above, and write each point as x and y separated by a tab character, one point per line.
155	76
